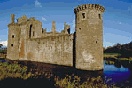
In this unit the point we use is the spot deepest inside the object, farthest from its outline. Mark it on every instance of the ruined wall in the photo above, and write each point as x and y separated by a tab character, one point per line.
51	49
27	40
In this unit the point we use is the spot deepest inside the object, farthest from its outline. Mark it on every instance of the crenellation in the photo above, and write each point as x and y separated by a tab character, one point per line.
89	7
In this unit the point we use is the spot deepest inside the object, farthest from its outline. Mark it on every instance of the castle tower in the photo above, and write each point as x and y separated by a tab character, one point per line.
88	37
13	39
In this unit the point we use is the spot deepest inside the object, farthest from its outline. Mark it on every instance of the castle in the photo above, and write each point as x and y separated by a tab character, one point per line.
83	49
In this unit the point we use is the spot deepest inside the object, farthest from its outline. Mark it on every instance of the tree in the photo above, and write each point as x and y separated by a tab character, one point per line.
124	49
1	45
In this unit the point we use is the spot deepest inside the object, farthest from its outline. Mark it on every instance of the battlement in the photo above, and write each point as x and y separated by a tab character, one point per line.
89	6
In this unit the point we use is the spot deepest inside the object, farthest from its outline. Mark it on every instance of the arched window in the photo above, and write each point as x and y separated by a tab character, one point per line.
30	30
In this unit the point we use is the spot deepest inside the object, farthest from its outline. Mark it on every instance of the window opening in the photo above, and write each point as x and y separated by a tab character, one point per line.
30	31
12	45
83	15
99	16
12	36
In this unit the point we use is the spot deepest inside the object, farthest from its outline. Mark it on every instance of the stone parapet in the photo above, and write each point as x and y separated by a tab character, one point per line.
89	6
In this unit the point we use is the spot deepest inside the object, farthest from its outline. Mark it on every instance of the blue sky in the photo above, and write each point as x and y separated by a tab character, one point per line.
117	19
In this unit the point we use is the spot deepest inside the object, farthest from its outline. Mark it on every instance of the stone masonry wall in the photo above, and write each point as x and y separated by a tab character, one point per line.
51	49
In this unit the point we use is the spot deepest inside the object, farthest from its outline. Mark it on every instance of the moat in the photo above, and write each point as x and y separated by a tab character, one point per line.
119	74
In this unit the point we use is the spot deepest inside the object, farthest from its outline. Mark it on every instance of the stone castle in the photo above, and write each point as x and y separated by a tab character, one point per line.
83	49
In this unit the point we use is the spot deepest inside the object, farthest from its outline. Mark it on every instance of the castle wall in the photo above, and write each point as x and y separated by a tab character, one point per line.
27	40
23	41
51	49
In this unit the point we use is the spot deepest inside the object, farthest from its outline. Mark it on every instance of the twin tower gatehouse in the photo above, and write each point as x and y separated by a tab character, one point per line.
83	49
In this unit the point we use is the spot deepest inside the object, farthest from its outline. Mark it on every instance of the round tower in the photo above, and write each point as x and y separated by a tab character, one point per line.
89	36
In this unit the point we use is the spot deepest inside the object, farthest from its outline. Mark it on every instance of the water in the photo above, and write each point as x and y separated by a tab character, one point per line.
119	75
115	72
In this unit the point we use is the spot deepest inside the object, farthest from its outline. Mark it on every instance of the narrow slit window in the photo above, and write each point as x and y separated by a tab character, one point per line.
83	15
99	16
30	31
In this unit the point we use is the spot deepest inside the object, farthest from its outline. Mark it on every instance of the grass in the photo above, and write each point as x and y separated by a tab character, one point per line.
115	56
111	55
12	70
74	82
23	73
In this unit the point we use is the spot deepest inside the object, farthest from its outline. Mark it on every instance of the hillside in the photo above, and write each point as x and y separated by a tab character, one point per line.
124	50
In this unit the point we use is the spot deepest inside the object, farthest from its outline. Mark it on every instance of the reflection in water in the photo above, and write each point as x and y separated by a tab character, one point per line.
118	74
125	63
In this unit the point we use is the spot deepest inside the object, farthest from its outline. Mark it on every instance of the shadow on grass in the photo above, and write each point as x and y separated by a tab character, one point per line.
29	83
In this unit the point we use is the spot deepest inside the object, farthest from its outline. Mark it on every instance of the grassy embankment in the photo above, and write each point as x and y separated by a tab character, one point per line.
20	72
115	56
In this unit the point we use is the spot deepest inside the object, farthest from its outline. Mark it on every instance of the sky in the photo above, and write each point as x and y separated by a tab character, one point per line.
117	18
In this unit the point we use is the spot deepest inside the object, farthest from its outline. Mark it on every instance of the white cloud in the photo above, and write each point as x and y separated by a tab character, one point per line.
38	4
4	43
44	19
